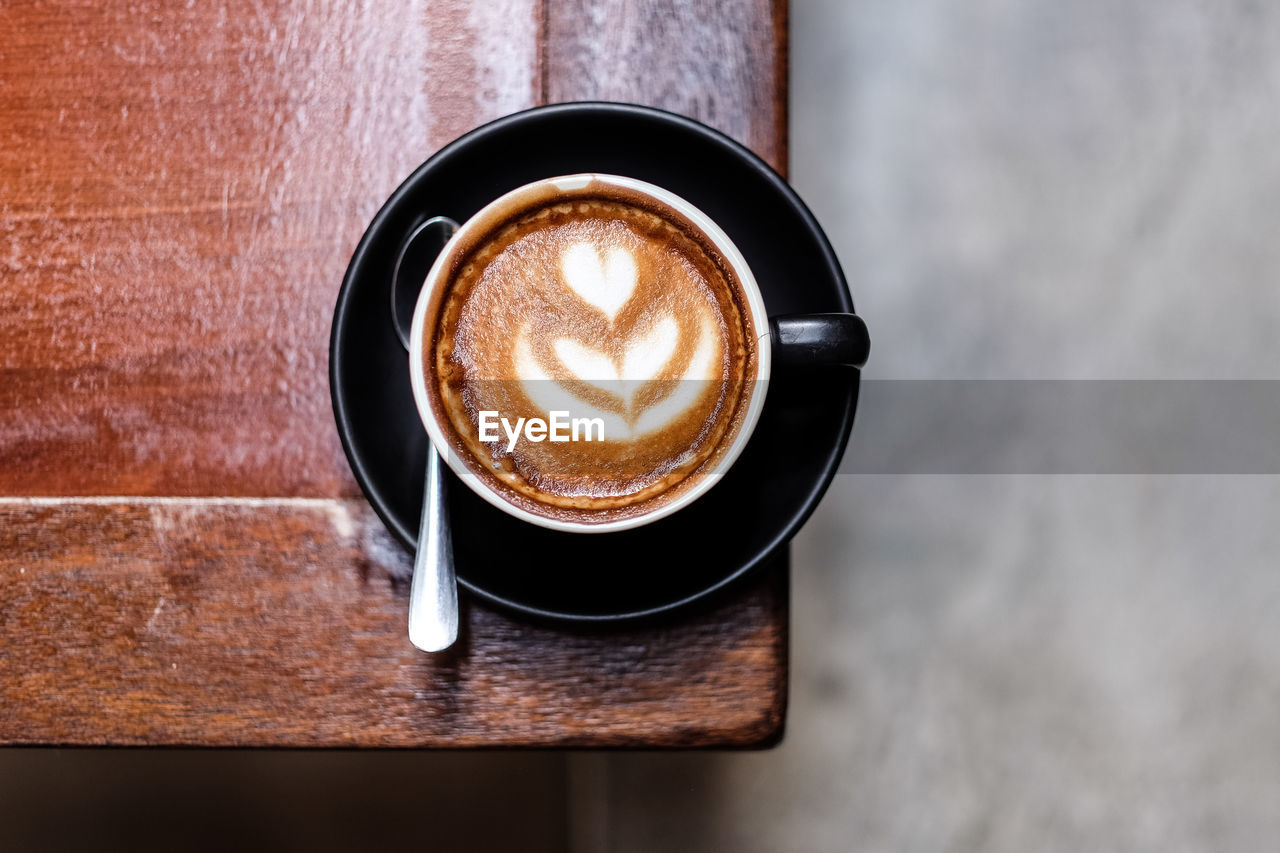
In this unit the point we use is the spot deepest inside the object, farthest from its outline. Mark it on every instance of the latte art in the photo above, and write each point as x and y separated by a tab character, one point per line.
599	311
615	377
605	283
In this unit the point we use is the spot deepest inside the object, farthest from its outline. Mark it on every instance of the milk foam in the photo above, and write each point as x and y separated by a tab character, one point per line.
602	311
607	281
604	282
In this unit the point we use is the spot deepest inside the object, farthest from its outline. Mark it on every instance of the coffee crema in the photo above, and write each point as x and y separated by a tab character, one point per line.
613	310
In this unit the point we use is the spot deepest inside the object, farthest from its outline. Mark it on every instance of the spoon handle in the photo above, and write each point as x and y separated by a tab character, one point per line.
433	597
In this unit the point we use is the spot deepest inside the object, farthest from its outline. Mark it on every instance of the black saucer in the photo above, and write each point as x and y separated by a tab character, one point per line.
738	524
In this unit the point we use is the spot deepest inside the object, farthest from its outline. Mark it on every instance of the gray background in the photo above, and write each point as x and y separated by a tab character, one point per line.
1027	189
1044	190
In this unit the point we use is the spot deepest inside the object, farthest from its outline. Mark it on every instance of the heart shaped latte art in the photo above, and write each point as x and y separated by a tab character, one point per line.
604	282
643	359
607	282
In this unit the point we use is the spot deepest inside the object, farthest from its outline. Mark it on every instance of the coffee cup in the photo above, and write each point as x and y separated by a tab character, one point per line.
614	305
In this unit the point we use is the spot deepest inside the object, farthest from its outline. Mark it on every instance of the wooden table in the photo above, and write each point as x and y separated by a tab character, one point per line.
184	555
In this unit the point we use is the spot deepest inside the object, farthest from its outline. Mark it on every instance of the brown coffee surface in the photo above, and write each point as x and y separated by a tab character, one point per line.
622	318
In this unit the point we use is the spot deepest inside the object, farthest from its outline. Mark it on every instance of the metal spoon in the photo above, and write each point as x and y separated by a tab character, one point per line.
433	596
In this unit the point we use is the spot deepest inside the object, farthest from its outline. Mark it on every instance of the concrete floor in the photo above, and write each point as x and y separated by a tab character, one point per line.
1027	188
1038	190
1017	189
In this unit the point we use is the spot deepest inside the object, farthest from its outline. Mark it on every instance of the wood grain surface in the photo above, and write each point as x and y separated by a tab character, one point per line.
184	556
723	62
181	188
260	622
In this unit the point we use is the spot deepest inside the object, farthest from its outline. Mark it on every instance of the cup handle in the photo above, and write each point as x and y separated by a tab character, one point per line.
814	339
